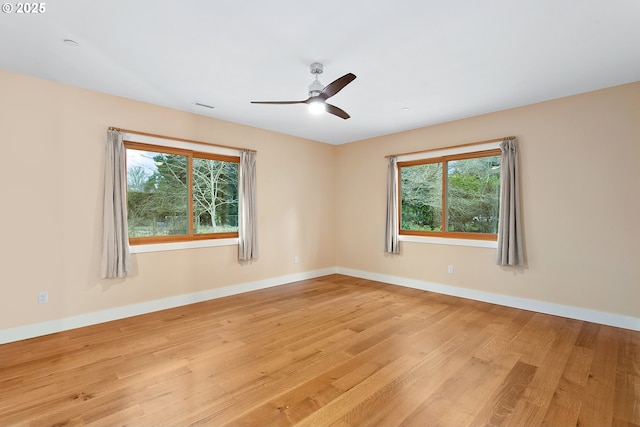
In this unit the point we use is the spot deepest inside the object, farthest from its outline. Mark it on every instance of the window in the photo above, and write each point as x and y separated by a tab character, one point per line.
455	196
176	194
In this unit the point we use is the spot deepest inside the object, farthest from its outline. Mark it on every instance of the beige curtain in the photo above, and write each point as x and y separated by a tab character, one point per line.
247	230
391	242
116	260
509	225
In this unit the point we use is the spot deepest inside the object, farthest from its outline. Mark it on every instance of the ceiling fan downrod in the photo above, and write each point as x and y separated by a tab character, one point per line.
315	88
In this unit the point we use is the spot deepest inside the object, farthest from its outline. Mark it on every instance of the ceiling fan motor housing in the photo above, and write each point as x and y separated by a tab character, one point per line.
316	87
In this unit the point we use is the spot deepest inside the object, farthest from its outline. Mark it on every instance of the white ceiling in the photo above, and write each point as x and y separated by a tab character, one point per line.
443	60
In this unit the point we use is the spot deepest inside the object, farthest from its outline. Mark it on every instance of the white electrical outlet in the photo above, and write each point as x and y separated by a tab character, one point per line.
43	297
450	269
296	259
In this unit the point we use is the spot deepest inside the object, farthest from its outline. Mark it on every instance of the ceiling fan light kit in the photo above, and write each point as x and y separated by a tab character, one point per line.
318	94
317	107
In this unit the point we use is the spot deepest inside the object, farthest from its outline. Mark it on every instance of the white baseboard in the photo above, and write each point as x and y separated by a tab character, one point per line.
601	317
44	328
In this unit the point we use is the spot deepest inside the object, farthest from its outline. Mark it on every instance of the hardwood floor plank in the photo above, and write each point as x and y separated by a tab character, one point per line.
627	380
588	335
597	407
509	393
551	360
332	351
564	407
335	409
404	396
338	378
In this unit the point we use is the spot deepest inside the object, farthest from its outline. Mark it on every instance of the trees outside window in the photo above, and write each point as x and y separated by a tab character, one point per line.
215	196
177	195
451	196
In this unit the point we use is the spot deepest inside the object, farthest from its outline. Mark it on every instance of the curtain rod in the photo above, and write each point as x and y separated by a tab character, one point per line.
177	139
470	144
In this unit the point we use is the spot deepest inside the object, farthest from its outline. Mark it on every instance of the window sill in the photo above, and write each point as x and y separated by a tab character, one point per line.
175	246
452	242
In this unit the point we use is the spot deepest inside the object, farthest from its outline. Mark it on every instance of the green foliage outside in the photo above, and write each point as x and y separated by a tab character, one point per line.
158	201
421	188
473	191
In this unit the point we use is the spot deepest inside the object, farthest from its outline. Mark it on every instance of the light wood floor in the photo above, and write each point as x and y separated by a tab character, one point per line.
333	351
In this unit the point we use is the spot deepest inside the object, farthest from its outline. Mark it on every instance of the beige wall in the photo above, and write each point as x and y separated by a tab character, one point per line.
579	159
51	179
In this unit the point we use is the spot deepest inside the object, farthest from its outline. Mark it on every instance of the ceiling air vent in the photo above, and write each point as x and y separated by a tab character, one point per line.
199	104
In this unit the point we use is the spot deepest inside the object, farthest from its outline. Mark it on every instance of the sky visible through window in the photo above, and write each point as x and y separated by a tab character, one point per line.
143	159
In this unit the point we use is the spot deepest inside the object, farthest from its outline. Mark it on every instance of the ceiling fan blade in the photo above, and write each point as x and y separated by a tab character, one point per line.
337	111
336	86
279	102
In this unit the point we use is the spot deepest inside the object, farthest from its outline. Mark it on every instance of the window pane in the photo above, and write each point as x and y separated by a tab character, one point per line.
473	192
421	188
157	194
215	196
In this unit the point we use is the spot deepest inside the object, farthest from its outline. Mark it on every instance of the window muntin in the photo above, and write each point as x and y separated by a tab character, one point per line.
460	191
178	195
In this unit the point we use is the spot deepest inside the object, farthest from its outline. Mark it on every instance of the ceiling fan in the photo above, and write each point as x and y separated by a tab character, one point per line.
318	94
